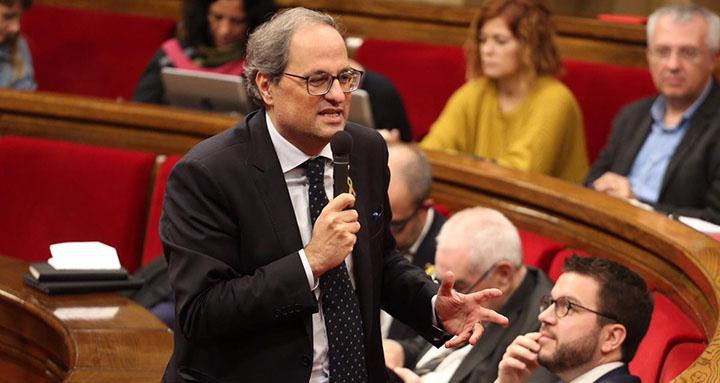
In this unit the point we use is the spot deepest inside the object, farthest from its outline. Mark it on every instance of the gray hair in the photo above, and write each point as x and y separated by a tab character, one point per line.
414	170
268	48
683	13
487	234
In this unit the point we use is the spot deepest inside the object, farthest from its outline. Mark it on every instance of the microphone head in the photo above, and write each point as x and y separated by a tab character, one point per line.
341	144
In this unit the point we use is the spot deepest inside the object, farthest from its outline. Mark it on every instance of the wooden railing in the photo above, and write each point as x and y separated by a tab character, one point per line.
680	262
76	338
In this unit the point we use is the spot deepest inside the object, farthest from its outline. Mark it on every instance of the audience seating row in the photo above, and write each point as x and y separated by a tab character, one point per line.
102	54
59	191
426	75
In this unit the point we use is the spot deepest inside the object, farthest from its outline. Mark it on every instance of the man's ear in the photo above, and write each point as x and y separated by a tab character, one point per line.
263	83
612	338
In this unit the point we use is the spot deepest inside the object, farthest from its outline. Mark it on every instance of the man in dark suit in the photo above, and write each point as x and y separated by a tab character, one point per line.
258	257
483	249
592	324
415	223
665	151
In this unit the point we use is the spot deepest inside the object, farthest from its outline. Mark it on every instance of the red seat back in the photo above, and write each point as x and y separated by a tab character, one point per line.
92	53
669	326
53	191
679	358
153	246
426	75
601	91
538	251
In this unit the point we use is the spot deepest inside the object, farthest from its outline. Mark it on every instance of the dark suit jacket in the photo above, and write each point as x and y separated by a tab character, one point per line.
424	255
481	363
691	185
618	375
231	239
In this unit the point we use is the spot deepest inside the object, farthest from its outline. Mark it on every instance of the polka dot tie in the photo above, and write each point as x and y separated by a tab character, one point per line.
340	304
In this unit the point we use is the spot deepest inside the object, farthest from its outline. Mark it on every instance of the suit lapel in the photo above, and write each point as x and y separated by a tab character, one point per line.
270	183
698	125
635	143
479	352
362	263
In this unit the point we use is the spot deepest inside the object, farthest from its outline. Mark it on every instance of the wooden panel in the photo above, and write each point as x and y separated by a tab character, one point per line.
76	338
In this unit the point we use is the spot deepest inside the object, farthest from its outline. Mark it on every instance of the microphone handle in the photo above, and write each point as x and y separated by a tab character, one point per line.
340	176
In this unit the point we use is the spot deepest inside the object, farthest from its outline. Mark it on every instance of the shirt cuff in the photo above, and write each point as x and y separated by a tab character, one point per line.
311	278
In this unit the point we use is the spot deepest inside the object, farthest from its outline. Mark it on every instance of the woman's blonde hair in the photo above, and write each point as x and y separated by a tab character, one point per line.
529	22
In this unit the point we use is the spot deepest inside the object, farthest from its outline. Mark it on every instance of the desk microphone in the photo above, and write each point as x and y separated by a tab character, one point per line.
341	144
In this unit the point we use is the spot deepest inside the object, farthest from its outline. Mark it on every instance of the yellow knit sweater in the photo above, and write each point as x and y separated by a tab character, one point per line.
544	134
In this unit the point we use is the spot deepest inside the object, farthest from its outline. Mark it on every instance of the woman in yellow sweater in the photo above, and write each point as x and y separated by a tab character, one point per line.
513	110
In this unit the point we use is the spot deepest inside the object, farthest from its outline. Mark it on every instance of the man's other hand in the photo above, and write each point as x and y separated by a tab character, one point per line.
614	185
463	314
333	235
520	359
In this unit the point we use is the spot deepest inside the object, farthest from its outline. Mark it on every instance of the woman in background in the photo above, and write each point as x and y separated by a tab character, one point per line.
16	69
212	38
513	110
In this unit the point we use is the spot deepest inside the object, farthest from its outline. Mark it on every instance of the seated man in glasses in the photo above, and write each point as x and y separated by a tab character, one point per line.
415	224
665	151
482	248
592	324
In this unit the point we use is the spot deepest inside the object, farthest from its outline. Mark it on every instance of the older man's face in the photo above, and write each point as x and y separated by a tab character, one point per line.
309	122
680	61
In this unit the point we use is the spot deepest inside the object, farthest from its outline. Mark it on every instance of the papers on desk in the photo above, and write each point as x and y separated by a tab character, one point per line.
83	255
700	225
77	267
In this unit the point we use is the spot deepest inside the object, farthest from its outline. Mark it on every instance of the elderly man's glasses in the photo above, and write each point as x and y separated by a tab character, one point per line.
563	306
468	289
685	53
318	84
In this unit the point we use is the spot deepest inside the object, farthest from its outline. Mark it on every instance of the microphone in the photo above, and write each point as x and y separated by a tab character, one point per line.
341	144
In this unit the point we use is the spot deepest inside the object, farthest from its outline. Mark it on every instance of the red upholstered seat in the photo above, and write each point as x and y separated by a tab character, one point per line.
679	358
538	251
426	75
601	91
153	247
92	53
54	191
669	326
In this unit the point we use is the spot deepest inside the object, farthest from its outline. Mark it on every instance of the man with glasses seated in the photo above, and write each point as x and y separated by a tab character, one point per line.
664	151
482	248
592	324
415	224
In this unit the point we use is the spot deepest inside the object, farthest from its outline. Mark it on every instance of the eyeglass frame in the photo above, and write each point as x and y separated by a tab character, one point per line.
477	282
684	53
398	226
546	301
331	82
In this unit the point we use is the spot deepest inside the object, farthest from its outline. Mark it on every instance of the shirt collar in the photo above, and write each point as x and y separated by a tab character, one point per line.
593	375
657	110
289	155
428	222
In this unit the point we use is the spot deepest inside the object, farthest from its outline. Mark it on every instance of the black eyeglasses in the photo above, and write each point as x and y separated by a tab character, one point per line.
563	306
318	84
397	226
469	289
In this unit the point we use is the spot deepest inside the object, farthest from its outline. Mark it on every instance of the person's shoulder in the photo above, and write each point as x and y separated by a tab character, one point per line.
363	134
551	87
638	107
235	139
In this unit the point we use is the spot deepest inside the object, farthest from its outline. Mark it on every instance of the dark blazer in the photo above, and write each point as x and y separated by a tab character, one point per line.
618	375
231	239
691	185
424	255
481	363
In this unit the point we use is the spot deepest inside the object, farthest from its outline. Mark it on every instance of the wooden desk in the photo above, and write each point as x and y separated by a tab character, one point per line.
100	337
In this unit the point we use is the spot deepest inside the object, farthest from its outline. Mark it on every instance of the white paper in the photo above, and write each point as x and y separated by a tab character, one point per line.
700	225
86	313
83	255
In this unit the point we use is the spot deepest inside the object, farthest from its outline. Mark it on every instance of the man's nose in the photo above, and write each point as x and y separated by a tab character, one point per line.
335	93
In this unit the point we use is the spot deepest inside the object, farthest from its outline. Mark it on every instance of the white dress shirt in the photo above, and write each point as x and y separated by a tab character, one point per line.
593	375
291	158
